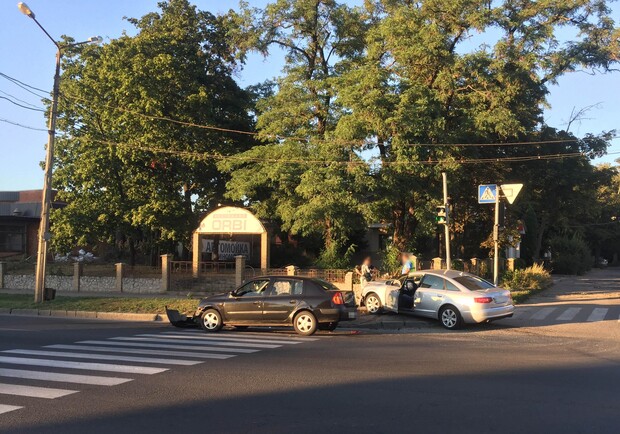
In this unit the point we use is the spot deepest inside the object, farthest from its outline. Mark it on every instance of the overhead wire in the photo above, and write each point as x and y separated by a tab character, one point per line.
17	124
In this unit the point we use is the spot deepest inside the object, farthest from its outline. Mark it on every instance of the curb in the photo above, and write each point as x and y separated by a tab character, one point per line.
82	314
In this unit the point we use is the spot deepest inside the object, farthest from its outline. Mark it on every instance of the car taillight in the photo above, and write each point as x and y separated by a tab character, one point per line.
337	298
483	299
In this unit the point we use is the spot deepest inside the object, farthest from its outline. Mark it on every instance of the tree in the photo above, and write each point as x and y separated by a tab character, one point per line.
309	182
132	165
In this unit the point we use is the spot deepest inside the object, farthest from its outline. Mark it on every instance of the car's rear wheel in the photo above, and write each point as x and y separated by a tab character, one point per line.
450	317
373	303
330	327
305	323
211	321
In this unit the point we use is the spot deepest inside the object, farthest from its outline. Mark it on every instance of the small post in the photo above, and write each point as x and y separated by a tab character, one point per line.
437	263
510	264
166	270
239	270
291	270
196	249
120	270
2	273
414	262
78	268
348	281
475	265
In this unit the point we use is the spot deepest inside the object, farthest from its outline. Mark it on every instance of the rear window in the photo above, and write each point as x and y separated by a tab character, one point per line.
474	283
326	285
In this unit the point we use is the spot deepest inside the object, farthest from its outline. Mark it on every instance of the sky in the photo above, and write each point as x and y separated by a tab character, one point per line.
27	54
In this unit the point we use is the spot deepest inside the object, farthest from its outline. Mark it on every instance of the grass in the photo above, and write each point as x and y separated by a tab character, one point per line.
100	304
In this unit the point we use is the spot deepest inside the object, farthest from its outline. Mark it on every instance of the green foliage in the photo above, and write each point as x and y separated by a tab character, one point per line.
570	255
523	283
332	257
124	170
390	259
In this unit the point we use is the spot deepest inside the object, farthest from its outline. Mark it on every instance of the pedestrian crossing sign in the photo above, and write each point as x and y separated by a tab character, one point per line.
487	193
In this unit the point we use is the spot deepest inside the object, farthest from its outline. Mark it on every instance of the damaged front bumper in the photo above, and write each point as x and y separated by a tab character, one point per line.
180	320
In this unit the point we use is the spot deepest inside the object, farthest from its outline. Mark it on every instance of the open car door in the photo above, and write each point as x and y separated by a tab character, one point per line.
392	291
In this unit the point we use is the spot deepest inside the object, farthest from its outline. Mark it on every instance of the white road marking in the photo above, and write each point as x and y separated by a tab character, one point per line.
195	355
226	338
542	313
598	314
162	339
120	358
258	334
64	378
521	312
170	347
33	391
82	365
7	408
569	314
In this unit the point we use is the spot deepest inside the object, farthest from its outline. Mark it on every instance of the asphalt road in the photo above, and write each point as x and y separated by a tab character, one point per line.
535	373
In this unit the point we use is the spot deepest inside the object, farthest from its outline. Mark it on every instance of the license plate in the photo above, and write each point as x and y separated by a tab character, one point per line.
352	315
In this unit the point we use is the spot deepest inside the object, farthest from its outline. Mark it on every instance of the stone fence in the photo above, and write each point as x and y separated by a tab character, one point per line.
175	279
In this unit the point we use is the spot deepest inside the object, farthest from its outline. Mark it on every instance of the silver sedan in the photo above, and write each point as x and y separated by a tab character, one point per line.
452	297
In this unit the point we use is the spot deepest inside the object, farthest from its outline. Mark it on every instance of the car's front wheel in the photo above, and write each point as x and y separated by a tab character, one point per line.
211	320
373	303
450	317
305	323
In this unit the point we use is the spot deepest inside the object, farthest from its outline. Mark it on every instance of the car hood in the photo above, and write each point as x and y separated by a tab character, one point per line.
209	298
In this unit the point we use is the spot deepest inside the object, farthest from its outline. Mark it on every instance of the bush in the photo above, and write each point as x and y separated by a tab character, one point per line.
390	259
531	279
570	255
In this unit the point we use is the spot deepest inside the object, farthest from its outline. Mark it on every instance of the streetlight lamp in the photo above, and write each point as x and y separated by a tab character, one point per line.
46	200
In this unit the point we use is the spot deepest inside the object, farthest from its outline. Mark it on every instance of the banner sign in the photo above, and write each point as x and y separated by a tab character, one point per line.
227	249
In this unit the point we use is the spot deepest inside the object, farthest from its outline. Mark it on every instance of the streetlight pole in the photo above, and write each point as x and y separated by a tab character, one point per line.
46	200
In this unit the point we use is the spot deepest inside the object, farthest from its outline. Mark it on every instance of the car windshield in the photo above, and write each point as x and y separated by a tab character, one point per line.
474	283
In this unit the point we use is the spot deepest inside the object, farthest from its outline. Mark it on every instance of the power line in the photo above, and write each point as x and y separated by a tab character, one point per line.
21	105
24	86
17	99
312	139
17	124
248	159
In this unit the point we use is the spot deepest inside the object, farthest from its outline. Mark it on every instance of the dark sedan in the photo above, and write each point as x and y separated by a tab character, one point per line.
305	303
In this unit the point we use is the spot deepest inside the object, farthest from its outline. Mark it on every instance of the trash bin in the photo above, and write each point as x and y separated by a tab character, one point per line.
49	294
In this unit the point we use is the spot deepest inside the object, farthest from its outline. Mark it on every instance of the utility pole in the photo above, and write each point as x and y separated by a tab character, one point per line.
496	238
46	200
447	225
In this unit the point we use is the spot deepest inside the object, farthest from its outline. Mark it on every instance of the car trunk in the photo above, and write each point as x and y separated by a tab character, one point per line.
501	297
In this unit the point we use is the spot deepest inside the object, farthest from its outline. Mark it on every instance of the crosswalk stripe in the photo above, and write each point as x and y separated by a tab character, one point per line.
128	369
104	357
171	347
226	338
64	378
543	313
157	338
259	335
6	408
521	312
141	351
598	314
33	391
569	314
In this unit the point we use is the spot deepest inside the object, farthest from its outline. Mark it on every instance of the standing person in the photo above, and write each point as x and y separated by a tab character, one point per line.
407	264
365	274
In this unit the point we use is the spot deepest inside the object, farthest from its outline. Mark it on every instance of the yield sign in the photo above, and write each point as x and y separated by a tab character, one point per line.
511	191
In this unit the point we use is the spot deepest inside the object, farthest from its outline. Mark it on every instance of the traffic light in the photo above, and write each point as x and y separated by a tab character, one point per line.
441	216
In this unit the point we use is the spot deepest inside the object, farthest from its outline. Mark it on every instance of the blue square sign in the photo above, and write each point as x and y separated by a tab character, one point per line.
487	193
